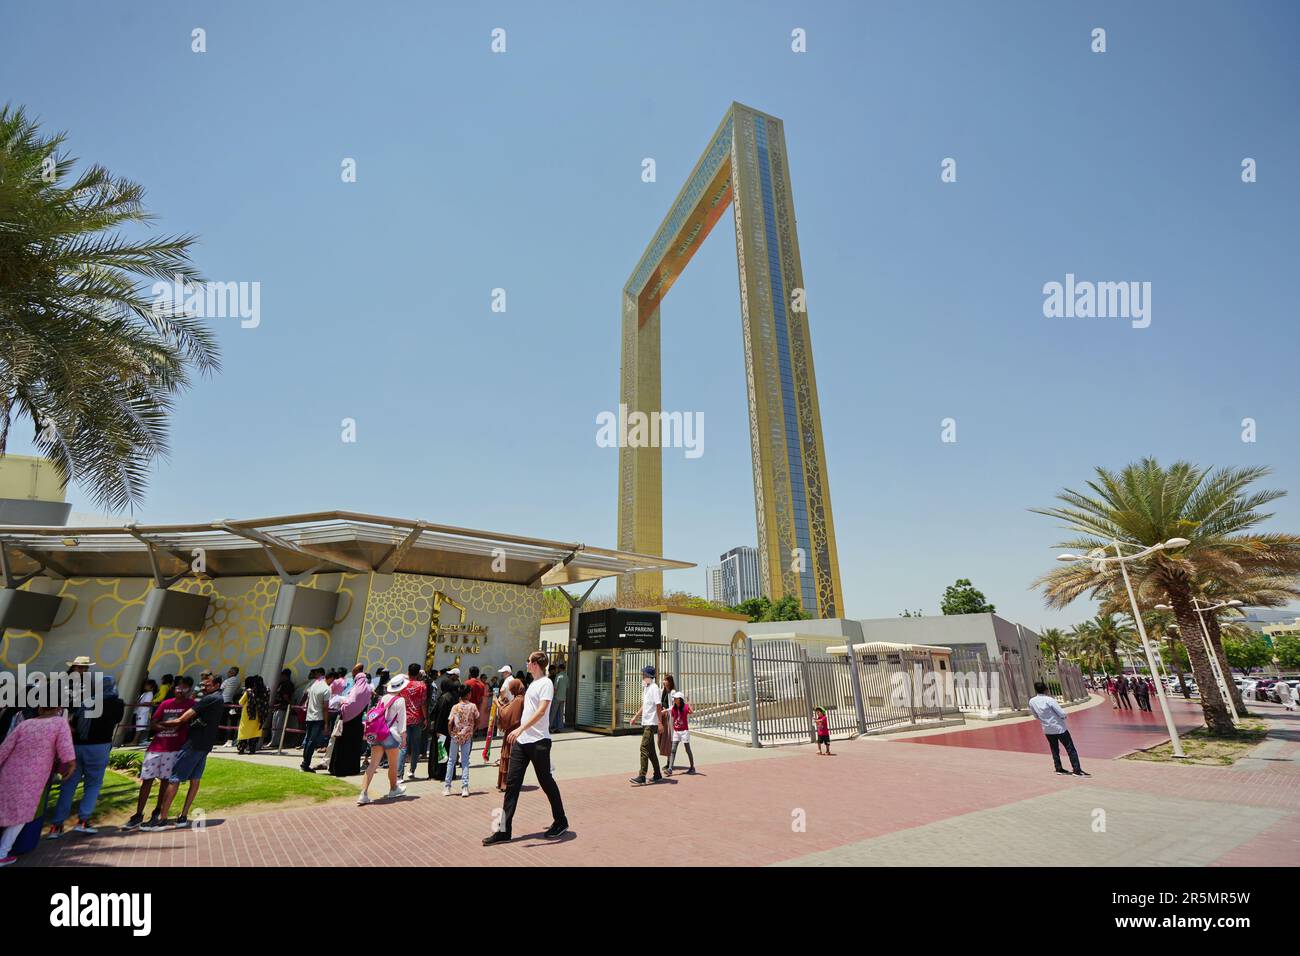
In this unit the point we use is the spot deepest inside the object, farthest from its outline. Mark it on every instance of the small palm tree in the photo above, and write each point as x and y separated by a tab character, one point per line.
1145	504
87	355
1088	647
1054	642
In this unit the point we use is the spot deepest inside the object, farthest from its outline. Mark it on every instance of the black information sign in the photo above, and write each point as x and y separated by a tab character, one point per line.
617	628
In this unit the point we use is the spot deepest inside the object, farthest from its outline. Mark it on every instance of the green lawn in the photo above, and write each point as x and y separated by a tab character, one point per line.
226	784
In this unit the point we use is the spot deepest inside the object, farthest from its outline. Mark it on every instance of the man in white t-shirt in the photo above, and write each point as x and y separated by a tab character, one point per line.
531	744
651	707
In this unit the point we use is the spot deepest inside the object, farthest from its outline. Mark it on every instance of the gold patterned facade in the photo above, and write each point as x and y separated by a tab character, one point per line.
381	620
745	168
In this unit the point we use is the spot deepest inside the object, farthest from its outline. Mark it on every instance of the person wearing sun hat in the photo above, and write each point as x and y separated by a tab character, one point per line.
393	705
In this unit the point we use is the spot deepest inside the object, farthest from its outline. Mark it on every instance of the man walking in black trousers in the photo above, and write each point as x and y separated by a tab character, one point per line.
531	744
1049	713
1121	690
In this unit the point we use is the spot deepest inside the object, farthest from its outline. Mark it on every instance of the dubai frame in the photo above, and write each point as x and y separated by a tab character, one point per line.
745	166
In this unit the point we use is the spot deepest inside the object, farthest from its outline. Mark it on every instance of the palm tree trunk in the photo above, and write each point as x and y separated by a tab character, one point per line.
1216	642
1217	719
1178	668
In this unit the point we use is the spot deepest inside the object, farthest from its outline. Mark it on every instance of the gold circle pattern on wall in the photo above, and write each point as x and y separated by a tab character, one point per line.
234	631
398	611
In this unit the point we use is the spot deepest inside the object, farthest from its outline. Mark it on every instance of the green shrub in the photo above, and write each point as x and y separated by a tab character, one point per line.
128	760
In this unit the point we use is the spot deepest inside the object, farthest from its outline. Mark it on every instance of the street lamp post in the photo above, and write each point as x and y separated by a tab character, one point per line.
1098	558
1215	669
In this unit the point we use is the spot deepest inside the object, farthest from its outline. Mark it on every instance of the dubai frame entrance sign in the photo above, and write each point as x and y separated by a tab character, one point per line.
744	166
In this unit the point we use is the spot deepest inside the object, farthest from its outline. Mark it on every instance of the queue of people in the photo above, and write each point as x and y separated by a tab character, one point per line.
354	723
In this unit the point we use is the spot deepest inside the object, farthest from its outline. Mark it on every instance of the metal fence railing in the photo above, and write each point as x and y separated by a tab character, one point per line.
759	691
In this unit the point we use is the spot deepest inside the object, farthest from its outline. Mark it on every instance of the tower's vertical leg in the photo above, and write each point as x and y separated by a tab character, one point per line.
640	469
792	504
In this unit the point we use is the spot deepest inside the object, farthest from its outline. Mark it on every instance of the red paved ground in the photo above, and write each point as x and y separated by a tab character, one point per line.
1098	732
738	813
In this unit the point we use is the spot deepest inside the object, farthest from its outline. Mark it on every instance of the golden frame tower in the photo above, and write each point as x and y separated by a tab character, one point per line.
745	166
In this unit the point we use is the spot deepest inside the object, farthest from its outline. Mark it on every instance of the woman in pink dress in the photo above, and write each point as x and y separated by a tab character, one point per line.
27	755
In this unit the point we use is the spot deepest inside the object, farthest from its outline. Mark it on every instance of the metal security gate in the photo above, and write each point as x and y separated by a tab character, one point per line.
783	691
715	679
830	686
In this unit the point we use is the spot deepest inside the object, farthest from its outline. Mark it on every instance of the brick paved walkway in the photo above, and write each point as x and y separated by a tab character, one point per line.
1099	731
877	801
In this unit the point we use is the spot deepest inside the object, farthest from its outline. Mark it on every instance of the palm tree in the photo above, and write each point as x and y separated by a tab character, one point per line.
1145	504
1087	645
1266	590
1054	642
87	355
1112	634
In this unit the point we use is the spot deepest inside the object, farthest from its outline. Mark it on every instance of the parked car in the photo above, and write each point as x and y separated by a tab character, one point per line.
1272	689
1262	688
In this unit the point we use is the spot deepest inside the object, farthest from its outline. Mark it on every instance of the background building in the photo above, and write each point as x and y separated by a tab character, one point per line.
31	492
740	576
713	583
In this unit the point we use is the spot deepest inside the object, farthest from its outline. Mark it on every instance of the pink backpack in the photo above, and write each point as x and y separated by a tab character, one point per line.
375	725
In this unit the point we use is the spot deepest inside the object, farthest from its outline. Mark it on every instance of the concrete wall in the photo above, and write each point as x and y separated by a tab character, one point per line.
830	627
954	630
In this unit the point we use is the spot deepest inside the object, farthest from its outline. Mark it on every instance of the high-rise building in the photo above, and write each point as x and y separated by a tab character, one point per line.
713	583
740	578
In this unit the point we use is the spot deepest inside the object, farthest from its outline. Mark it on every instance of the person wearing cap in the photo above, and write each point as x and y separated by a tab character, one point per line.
651	707
92	737
394	705
508	717
531	744
505	676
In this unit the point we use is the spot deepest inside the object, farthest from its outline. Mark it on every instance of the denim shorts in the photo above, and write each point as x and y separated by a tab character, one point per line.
189	765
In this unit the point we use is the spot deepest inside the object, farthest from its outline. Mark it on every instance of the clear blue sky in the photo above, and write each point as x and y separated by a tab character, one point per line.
522	171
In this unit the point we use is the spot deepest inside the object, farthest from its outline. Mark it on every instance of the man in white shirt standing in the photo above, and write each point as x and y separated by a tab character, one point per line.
651	706
531	744
318	699
1049	713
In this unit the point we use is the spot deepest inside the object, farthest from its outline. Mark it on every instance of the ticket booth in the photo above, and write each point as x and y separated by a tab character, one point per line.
613	646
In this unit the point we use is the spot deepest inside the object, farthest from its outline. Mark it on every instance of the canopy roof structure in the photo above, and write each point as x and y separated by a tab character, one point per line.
327	541
885	647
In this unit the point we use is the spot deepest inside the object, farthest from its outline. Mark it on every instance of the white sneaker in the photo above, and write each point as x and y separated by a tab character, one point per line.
364	799
465	792
84	827
446	791
410	775
397	791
